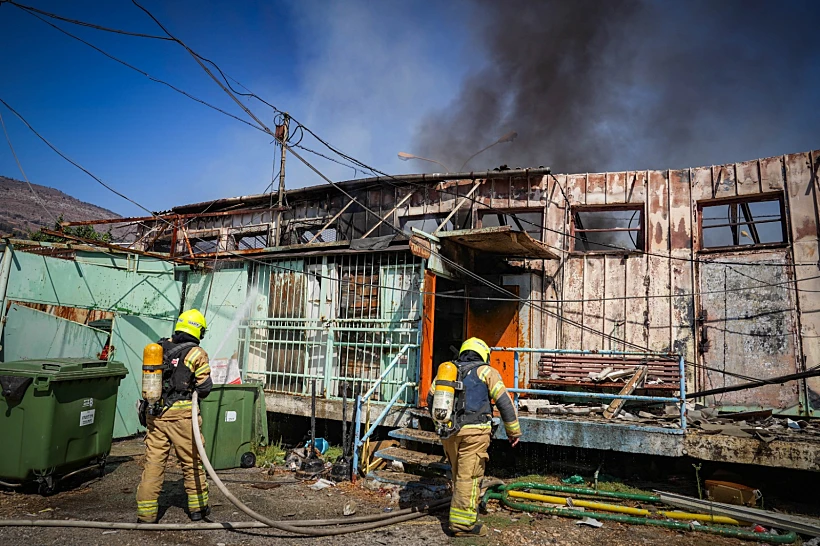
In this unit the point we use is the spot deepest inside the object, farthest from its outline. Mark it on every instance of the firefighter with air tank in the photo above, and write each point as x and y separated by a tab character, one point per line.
172	370
460	401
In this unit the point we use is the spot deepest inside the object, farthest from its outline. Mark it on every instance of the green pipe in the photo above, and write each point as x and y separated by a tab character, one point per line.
632	520
580	491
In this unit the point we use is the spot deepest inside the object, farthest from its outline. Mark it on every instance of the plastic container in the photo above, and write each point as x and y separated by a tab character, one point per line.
56	418
231	424
322	445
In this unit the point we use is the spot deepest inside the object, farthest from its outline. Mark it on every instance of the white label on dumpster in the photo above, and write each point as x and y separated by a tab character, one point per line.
86	417
230	416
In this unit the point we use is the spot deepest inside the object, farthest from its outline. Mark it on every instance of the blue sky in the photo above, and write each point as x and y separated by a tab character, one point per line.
671	85
360	74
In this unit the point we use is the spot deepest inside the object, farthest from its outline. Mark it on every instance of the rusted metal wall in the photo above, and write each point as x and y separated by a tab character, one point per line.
744	314
670	297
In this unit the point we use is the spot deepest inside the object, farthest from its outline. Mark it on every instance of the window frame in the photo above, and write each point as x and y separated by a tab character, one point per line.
437	216
510	211
613	207
743	199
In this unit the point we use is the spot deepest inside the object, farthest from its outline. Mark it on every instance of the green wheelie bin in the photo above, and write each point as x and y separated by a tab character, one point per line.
234	421
56	418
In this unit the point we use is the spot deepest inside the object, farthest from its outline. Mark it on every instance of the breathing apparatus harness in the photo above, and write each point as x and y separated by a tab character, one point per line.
471	404
177	380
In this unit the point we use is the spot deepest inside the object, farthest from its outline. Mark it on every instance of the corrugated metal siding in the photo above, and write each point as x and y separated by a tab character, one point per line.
41	279
653	294
31	334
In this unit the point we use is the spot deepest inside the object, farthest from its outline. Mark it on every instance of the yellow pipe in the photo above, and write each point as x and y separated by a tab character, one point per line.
623	509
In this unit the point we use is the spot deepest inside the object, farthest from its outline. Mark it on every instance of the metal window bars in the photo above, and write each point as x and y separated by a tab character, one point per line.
340	319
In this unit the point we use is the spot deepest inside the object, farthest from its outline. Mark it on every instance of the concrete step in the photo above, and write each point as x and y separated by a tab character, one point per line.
421	413
408	480
408	456
416	435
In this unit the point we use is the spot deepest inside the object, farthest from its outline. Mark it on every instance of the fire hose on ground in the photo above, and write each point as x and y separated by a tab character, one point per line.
326	527
633	516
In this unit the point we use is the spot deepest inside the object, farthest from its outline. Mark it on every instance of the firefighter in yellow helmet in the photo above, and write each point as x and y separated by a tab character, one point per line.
467	438
185	369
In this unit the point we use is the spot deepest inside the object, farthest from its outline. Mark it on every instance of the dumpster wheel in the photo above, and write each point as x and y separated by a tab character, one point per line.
247	460
101	462
47	485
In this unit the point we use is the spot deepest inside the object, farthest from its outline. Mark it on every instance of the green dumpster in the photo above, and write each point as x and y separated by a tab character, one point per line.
234	421
56	418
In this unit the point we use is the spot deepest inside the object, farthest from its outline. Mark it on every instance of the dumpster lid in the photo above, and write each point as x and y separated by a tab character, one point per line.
63	368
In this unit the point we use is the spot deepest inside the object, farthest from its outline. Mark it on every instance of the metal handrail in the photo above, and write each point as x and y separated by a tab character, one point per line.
681	399
386	371
361	399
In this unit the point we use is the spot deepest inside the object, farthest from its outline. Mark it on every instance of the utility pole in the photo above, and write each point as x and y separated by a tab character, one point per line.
282	135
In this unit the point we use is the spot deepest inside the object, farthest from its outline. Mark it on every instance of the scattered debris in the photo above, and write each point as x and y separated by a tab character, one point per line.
802	525
322	483
634	382
731	493
592	522
350	508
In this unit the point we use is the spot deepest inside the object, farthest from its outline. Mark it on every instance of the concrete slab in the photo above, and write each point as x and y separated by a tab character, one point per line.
332	409
798	454
630	438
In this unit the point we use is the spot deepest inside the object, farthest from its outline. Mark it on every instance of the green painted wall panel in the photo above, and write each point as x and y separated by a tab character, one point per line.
129	336
63	282
129	262
31	334
224	310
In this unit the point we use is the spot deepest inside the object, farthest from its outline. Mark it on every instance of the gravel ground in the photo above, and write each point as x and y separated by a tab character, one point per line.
112	499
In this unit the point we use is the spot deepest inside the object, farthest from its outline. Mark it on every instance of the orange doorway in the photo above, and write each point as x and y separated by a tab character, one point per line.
496	322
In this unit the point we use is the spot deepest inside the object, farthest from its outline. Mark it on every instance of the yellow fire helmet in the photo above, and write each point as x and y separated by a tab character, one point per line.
477	345
192	322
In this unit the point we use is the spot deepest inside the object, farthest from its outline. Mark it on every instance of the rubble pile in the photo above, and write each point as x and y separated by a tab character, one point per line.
762	424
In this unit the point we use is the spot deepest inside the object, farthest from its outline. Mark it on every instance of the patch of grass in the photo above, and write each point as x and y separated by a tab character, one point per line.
619	487
332	453
270	455
537	478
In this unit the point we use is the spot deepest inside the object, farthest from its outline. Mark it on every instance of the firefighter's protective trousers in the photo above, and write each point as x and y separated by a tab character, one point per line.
467	453
173	428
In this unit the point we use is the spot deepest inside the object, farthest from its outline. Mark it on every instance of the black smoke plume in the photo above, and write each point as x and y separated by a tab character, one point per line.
592	86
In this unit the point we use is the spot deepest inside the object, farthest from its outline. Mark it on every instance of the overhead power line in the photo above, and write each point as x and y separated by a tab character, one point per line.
466	271
20	166
367	168
458	266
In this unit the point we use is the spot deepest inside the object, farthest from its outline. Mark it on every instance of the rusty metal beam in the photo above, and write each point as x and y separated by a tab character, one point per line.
93	243
167	217
335	216
380	222
458	206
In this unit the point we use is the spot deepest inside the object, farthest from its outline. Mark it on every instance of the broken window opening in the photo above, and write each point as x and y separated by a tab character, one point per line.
205	245
608	229
253	241
525	220
747	223
427	223
329	235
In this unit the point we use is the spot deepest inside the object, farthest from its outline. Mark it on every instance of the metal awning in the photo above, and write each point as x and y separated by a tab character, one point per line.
500	241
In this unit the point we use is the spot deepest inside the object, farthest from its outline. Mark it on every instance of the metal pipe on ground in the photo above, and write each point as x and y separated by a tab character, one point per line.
504	498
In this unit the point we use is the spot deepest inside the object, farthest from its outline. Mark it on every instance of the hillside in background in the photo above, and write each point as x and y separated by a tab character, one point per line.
21	213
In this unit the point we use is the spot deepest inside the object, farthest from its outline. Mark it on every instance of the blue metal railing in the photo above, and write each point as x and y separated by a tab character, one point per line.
680	399
362	399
